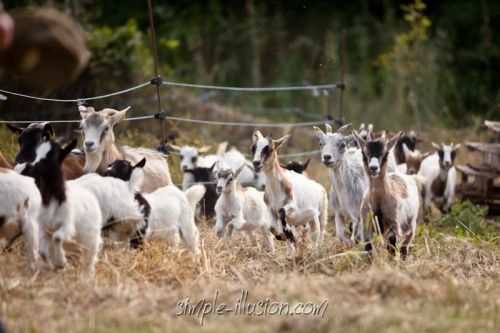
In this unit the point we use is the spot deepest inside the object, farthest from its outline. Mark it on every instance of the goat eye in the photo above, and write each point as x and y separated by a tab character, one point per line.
106	129
265	150
194	159
342	144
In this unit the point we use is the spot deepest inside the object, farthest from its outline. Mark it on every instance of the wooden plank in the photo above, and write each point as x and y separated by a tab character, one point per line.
484	147
492	125
472	172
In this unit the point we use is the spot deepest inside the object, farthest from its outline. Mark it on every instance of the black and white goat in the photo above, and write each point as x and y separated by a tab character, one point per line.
206	177
34	134
169	211
192	158
292	198
441	176
392	199
20	202
242	209
69	214
297	166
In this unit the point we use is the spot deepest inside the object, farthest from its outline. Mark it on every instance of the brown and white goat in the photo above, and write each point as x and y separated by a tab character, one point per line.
101	150
392	199
292	198
440	174
32	136
413	160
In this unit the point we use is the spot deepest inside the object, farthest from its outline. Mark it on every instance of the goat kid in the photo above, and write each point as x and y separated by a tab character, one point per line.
169	212
292	198
241	208
348	179
392	199
69	214
122	216
20	202
413	160
206	177
439	171
101	150
29	139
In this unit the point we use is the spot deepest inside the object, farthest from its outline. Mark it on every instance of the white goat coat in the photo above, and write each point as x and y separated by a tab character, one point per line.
243	209
20	202
172	216
349	184
430	170
306	195
116	200
77	219
234	160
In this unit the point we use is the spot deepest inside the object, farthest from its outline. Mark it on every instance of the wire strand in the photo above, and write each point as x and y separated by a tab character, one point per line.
253	89
77	100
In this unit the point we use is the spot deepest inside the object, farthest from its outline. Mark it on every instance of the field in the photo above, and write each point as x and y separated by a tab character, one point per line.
449	283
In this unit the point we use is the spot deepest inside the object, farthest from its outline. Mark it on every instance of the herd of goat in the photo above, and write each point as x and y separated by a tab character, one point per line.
60	197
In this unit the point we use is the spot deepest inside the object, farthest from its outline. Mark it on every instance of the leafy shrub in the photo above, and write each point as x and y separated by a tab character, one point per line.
468	220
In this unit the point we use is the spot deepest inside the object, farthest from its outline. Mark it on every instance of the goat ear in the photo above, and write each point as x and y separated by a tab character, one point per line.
174	148
406	150
435	145
329	128
361	142
48	131
304	167
383	135
282	140
361	127
15	129
118	116
457	147
318	132
67	149
256	136
392	142
84	111
344	128
140	164
237	172
370	128
204	149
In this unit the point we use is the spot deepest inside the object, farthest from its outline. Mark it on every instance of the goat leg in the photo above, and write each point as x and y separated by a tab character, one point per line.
286	229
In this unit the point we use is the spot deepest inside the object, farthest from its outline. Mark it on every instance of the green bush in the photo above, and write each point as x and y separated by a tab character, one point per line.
468	219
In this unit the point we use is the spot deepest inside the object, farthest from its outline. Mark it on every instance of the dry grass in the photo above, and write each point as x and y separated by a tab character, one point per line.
447	284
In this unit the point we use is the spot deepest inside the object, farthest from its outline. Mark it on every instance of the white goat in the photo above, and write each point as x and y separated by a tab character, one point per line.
121	213
19	205
440	174
191	158
100	149
392	198
292	198
70	214
170	212
240	208
348	179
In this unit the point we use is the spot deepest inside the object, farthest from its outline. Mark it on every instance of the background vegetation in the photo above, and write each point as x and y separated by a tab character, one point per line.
408	62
